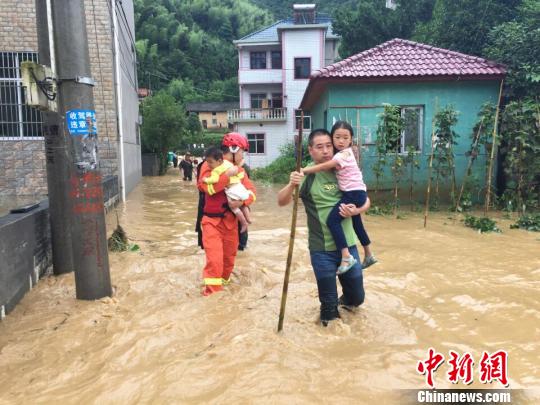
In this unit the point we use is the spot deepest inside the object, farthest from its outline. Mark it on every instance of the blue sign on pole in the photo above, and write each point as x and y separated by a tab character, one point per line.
81	122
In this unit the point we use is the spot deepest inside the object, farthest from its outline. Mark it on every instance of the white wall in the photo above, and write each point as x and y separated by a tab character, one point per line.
275	136
248	75
330	52
298	44
129	102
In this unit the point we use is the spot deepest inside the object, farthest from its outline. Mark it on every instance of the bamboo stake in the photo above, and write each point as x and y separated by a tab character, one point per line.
428	192
359	132
293	227
469	164
493	147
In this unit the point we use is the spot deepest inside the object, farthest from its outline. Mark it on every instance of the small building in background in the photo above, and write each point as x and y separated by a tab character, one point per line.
212	115
419	78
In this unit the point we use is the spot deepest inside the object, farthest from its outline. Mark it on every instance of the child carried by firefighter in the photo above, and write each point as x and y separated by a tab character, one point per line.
235	191
219	222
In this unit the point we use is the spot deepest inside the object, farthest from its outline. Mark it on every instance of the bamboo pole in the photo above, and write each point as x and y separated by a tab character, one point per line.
428	192
293	227
493	147
469	164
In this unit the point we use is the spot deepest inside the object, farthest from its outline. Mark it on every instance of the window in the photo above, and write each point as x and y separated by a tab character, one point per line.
307	119
302	68
17	120
277	100
214	121
257	60
412	129
257	100
256	143
276	60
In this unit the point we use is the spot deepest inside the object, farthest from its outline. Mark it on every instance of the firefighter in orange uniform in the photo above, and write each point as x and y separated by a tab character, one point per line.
219	224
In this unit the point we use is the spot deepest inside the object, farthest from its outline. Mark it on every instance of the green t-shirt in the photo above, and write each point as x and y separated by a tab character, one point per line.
320	193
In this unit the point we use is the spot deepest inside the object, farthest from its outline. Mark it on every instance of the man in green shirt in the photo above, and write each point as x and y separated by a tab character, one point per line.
320	193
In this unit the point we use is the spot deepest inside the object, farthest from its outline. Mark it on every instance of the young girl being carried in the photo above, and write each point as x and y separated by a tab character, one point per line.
351	183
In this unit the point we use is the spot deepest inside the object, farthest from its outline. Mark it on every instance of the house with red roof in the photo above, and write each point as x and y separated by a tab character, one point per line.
417	77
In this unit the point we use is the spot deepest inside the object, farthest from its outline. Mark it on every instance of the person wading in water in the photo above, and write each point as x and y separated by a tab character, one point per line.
219	225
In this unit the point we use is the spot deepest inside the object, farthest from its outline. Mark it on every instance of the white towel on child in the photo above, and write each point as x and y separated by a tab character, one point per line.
237	191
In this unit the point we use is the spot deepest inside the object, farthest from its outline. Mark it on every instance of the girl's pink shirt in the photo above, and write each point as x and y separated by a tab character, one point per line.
348	173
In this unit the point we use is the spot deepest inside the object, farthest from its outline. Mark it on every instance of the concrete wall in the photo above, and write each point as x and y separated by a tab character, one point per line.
127	97
25	254
308	43
467	98
275	135
25	247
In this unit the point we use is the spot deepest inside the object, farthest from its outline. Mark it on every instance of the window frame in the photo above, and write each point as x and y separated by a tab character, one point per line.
420	135
272	53
251	99
277	96
256	142
297	116
296	77
27	118
260	59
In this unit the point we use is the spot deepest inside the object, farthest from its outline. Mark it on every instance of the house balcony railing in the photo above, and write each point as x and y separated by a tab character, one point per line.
257	114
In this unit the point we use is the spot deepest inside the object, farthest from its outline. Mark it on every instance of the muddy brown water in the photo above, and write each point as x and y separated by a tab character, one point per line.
159	341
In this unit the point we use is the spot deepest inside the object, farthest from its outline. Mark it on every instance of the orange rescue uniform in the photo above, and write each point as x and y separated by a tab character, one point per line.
219	229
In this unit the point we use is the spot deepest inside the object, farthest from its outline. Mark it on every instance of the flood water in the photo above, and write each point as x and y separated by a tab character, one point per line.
159	341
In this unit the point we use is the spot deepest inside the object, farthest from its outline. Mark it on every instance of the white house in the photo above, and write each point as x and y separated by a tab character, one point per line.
274	68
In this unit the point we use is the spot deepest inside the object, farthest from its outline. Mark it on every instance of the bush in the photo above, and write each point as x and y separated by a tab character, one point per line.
483	225
528	222
278	171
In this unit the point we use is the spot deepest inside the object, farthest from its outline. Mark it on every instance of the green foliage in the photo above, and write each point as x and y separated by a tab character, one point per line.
464	25
389	130
163	125
283	8
528	222
279	170
520	133
381	210
411	161
368	23
118	242
192	40
482	224
443	153
517	45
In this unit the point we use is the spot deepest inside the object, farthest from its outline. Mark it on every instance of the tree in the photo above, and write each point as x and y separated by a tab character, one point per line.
517	45
163	125
464	25
192	40
371	23
445	121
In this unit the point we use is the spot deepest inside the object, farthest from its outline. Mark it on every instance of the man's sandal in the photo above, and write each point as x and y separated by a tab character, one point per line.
351	261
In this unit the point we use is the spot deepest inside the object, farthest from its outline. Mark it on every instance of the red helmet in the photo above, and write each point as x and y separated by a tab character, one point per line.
234	140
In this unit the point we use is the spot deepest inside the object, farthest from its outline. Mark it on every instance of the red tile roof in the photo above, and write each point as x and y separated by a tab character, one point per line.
400	58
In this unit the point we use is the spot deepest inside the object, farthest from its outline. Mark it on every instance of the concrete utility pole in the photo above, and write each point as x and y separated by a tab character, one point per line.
78	127
56	156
